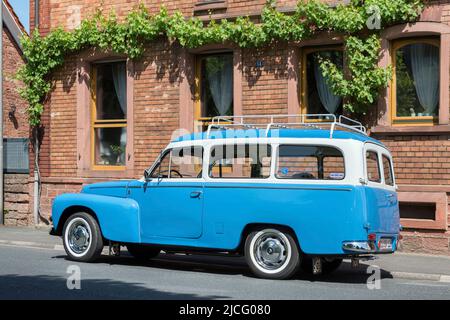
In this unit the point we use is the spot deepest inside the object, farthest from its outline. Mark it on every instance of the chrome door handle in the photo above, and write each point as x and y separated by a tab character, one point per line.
196	194
391	198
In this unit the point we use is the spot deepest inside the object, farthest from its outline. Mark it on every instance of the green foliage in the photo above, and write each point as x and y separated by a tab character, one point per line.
130	36
365	79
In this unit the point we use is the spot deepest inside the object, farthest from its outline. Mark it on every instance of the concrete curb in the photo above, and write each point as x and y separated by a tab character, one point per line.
420	276
29	244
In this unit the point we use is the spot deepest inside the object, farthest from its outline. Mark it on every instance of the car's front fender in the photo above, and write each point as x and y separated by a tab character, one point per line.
118	217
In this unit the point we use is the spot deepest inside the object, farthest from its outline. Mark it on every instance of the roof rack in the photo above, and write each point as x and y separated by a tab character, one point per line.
268	122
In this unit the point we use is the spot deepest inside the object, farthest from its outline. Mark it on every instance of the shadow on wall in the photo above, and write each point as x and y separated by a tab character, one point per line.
50	287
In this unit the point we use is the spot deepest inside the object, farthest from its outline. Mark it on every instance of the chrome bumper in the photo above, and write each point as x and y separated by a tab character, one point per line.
359	246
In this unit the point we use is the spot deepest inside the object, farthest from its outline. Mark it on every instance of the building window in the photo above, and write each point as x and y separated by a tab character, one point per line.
415	84
15	155
214	88
317	96
109	115
205	6
426	211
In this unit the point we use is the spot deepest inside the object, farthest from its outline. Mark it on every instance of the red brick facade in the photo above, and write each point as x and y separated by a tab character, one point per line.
15	122
163	78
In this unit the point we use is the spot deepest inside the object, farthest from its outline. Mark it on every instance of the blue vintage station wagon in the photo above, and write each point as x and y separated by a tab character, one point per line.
286	192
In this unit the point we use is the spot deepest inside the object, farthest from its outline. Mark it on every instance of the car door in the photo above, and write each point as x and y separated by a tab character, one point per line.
171	201
382	202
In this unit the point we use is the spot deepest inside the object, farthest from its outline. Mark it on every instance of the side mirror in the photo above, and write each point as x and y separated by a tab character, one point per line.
146	175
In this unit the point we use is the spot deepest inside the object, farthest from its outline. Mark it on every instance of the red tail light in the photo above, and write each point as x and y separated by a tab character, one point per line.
372	237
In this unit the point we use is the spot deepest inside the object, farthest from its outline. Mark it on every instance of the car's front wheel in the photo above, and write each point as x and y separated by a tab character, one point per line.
272	254
142	252
82	238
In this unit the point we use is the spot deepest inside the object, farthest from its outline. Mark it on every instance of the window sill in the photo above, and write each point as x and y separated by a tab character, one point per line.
411	129
107	174
210	5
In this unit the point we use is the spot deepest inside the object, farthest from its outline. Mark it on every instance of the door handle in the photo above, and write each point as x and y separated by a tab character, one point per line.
196	194
391	198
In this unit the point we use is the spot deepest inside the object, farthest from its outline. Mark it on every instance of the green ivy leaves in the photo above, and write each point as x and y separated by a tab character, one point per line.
359	85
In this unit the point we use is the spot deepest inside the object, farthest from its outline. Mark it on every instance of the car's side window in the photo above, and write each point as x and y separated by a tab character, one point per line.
180	163
387	169
162	169
240	161
310	163
373	167
186	163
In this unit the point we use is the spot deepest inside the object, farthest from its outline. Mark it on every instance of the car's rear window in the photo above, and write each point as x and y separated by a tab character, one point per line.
388	172
373	166
306	162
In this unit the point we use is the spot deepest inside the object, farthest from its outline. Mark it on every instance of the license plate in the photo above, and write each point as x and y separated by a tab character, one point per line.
385	244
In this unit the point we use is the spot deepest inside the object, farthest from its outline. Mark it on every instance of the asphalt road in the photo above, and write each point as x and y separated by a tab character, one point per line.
31	273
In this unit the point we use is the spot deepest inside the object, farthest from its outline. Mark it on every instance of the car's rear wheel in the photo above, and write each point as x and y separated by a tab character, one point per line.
82	238
272	254
142	252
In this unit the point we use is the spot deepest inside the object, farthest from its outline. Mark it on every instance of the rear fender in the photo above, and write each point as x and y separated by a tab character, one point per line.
118	217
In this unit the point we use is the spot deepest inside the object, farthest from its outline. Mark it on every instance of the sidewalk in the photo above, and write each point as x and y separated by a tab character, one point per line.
399	265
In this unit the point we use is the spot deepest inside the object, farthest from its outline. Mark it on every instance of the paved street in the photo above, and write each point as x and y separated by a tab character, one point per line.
27	272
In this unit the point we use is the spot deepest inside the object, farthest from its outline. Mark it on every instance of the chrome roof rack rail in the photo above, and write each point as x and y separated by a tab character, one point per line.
268	122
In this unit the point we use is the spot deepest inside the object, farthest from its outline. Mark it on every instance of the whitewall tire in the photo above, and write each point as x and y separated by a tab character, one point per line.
272	254
82	238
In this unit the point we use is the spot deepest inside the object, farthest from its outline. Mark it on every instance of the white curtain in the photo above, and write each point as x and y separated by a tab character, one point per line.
119	73
330	101
120	85
424	61
220	79
104	151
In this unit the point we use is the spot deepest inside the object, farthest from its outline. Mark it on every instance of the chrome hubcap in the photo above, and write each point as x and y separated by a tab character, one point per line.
79	237
270	251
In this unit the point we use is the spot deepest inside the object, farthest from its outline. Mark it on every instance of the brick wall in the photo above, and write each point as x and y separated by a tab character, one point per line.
16	125
16	196
420	159
265	87
55	13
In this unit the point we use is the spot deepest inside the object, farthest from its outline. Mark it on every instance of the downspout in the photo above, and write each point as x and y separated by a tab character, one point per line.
36	192
36	13
2	220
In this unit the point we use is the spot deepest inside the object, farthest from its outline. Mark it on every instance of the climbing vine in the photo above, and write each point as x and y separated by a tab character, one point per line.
360	85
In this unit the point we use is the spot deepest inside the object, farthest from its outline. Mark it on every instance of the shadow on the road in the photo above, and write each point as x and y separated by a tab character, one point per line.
188	263
346	274
14	286
236	266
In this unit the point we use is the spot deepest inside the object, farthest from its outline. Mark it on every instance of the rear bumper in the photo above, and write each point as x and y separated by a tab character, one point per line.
358	247
369	246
